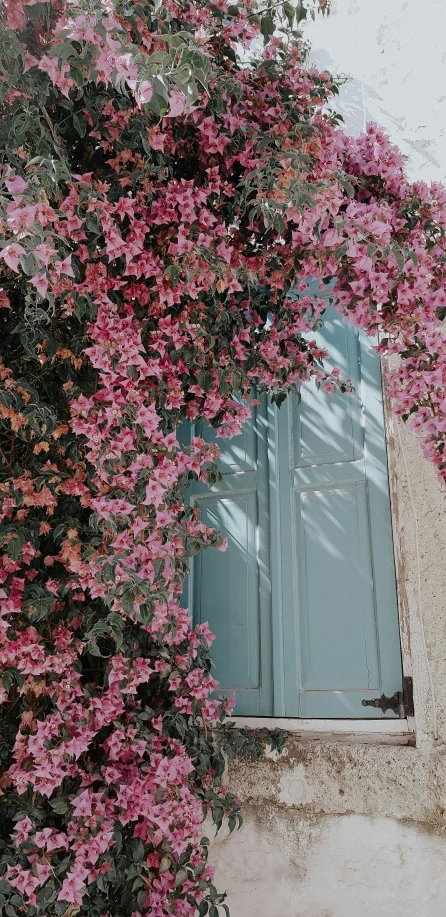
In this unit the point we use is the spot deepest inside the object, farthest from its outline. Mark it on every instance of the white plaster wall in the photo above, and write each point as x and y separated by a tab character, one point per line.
395	53
283	864
336	827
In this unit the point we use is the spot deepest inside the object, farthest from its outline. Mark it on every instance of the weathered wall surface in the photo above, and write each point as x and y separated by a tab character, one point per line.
285	864
337	827
394	51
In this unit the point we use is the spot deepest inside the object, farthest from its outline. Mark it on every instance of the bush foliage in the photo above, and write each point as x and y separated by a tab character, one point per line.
166	200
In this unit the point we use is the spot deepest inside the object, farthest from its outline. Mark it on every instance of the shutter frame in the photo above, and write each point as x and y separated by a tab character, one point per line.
294	670
366	469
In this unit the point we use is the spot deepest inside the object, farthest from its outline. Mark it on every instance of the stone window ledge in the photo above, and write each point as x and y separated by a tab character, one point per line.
379	732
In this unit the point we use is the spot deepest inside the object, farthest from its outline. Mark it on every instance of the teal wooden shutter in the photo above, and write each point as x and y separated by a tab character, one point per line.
303	604
338	616
231	589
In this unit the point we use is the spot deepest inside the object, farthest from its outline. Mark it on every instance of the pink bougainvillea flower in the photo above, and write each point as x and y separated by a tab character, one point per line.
4	300
11	254
143	92
41	283
177	103
16	185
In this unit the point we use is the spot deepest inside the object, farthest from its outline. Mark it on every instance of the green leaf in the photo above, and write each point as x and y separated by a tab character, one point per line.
8	679
93	648
80	125
399	257
341	251
289	12
29	264
59	805
173	273
267	27
127	600
205	379
236	381
278	398
345	184
138	851
14	546
62	50
92	223
146	612
38	603
301	12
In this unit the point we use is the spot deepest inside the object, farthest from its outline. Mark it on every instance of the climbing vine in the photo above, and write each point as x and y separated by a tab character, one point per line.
172	211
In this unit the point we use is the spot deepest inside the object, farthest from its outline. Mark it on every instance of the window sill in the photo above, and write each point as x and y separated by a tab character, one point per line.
379	732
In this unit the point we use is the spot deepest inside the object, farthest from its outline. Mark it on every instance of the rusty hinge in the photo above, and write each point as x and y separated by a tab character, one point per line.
408	696
401	702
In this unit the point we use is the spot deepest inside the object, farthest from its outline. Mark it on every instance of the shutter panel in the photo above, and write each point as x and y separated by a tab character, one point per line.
231	590
338	620
305	597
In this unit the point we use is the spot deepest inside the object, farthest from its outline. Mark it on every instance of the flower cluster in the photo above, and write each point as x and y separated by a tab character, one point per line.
172	221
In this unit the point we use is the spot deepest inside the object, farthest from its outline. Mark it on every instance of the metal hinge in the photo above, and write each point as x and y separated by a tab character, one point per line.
401	702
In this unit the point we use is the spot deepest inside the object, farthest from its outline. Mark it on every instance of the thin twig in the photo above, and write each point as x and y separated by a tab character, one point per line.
54	134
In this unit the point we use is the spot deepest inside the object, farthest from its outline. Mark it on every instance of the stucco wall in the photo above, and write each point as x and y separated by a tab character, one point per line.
285	864
338	826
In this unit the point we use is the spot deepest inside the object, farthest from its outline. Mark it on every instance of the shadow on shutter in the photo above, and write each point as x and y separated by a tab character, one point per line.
231	590
339	615
305	597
